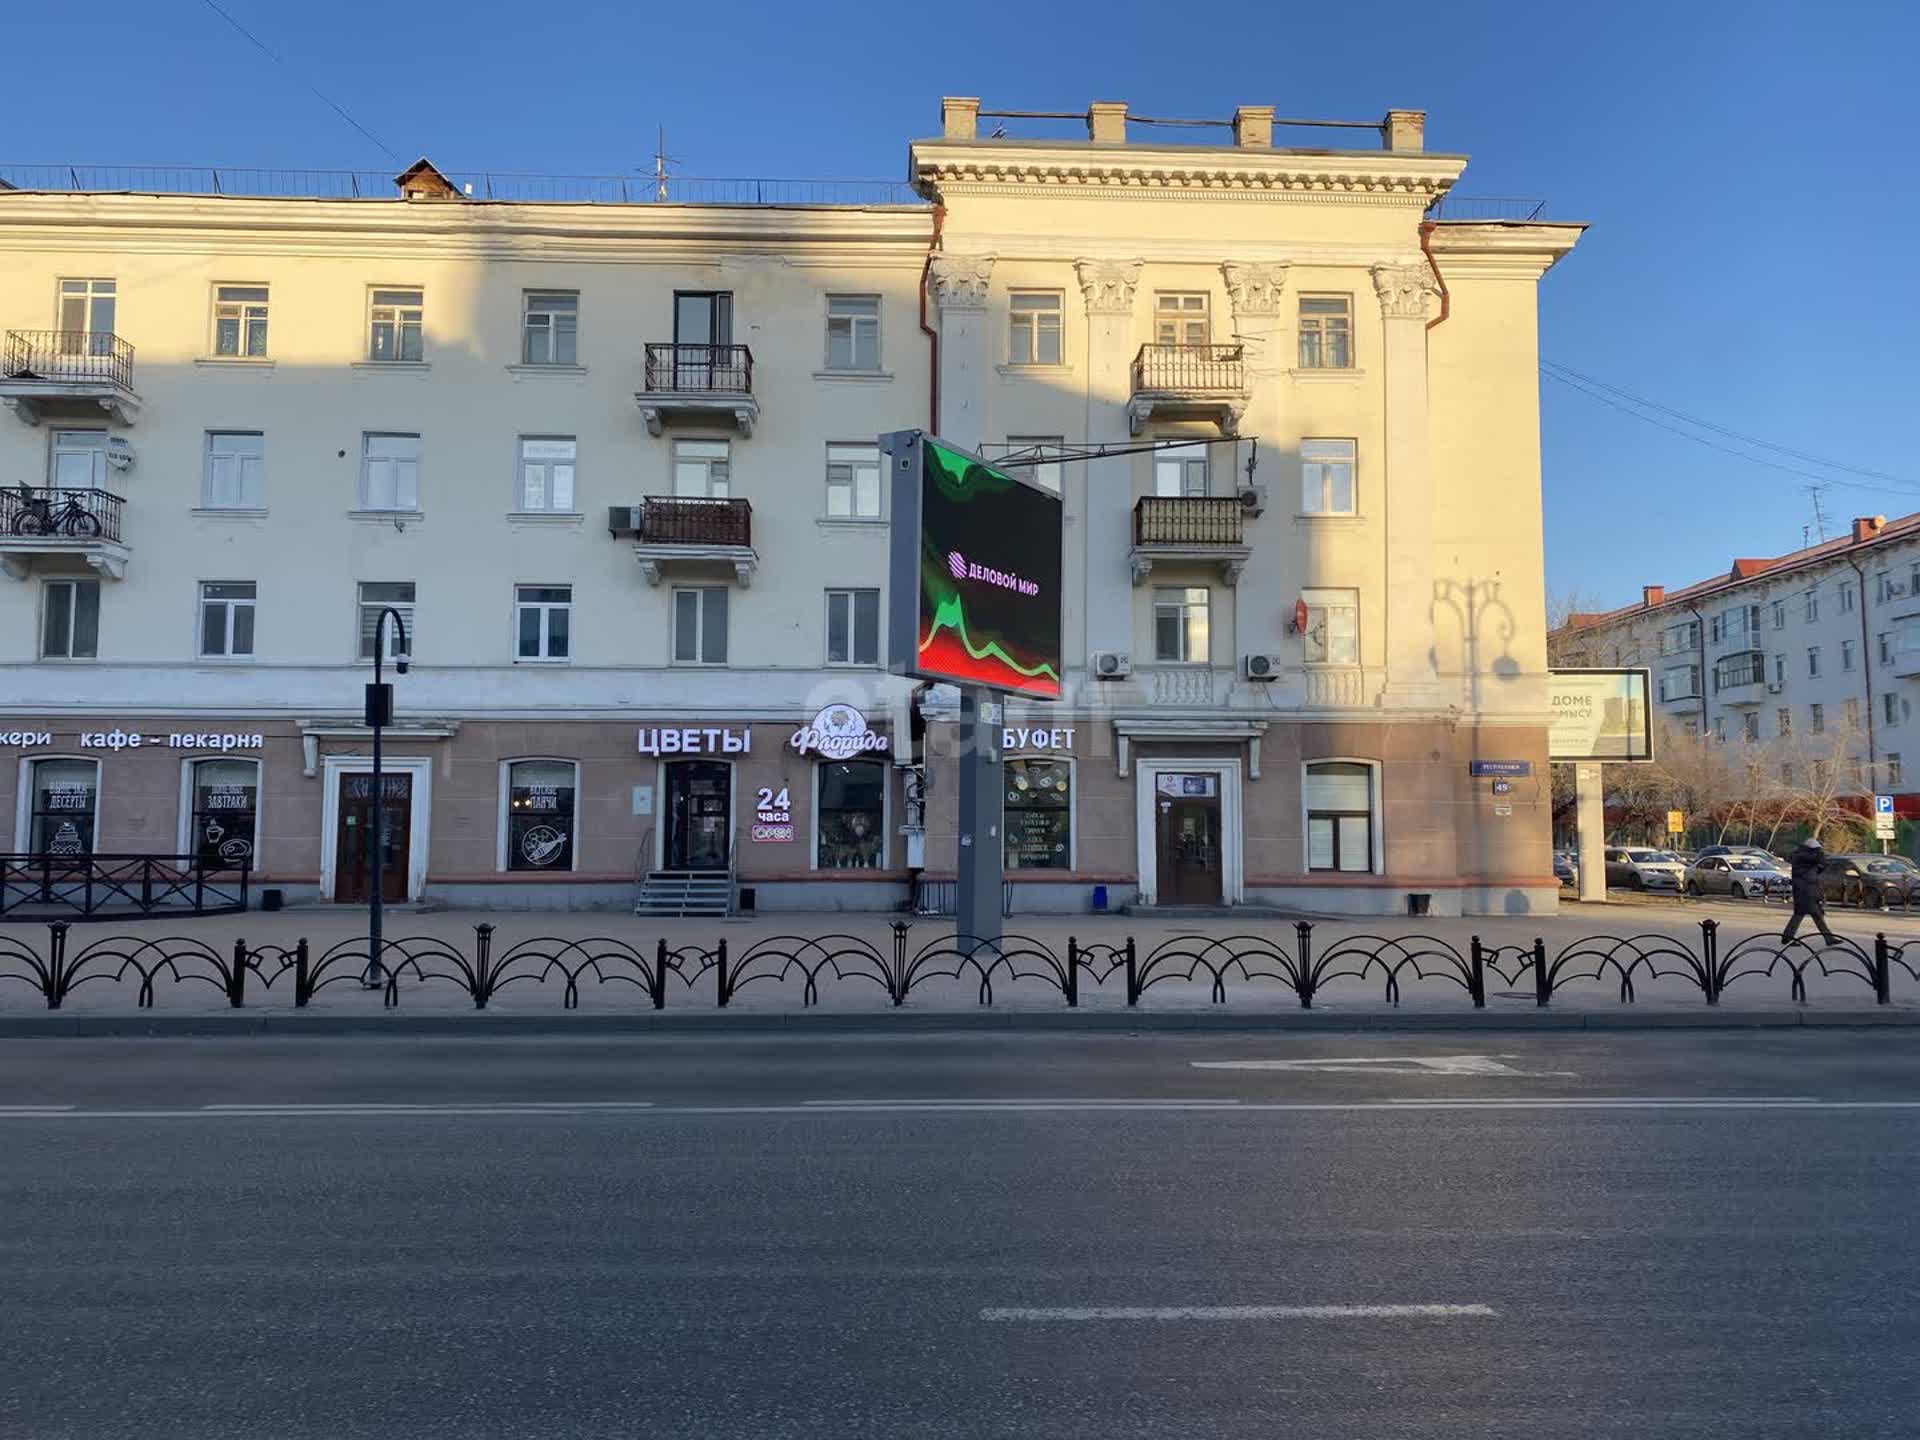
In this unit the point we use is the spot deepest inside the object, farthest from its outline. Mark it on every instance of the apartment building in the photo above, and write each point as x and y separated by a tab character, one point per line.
1823	641
611	461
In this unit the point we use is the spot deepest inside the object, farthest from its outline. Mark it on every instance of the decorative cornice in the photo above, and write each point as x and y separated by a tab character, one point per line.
960	281
1403	290
1108	285
1255	289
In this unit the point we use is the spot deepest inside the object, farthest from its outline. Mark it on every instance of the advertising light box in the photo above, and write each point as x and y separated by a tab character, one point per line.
1600	715
976	553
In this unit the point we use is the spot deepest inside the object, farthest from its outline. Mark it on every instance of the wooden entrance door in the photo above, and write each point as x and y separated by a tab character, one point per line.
1187	851
353	855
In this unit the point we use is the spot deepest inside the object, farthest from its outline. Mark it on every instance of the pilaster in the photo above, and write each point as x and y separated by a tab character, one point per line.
1404	290
1108	288
960	289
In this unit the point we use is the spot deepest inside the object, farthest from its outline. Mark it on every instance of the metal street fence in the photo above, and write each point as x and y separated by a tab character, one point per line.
1304	964
119	887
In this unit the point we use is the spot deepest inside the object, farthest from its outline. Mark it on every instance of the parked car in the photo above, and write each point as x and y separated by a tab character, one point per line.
1744	876
1759	851
1639	867
1872	880
1566	869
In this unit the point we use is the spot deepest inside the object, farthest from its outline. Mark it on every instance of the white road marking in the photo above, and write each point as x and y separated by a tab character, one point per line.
1048	1314
33	1109
1396	1064
977	1102
1562	1102
403	1107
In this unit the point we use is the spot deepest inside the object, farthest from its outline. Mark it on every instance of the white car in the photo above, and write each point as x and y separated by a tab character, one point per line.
1641	868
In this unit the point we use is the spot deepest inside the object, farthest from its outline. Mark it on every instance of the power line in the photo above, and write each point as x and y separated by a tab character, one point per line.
337	109
1720	429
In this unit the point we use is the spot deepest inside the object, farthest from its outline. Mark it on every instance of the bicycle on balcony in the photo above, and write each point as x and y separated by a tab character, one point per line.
48	512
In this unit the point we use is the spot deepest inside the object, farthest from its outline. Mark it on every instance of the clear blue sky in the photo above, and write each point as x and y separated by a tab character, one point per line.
1748	169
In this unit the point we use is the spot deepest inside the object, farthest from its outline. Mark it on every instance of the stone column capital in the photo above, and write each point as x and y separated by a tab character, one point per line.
1108	285
1404	289
1255	289
960	281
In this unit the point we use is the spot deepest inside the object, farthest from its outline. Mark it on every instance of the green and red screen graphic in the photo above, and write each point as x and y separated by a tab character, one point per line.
989	577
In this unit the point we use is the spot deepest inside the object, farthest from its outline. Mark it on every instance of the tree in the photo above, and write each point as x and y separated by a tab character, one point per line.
1822	776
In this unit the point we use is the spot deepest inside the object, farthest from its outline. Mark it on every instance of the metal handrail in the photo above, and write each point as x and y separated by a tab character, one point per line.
694	520
1190	367
46	511
122	886
676	369
1188	520
68	356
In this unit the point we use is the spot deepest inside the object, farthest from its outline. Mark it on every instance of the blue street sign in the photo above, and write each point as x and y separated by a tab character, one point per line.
1499	767
1883	804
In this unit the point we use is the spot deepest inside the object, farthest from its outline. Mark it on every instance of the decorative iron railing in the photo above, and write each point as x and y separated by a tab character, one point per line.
1181	369
1300	960
1188	520
67	356
119	887
699	369
39	511
691	520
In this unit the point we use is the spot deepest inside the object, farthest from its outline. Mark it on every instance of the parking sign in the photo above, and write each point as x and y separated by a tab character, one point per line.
1883	828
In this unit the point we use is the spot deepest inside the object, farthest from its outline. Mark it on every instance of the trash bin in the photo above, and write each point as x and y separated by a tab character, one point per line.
747	900
1419	902
272	899
1099	899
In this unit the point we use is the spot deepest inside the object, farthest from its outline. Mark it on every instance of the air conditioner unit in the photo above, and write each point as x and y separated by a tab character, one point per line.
1111	665
623	519
1253	499
1774	687
1260	667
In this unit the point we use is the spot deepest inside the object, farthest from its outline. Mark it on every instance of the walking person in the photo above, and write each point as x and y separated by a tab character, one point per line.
1807	860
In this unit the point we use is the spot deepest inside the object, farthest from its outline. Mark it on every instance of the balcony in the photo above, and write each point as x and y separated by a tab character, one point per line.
83	524
1188	382
683	530
1189	529
1741	679
67	372
702	383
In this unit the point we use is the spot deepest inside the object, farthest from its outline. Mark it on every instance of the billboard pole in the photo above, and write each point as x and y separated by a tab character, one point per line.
1590	819
976	911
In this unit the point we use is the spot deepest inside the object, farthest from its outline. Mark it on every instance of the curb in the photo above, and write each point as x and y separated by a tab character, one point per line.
54	1025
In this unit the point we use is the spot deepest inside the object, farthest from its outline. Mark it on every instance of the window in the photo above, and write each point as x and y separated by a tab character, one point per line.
1033	319
70	617
1813	660
1681	638
1883	590
225	798
1180	624
226	619
1737	622
86	306
379	595
1817	714
1046	472
1913	580
1780	670
1333	627
1811	605
853	627
1719	727
1038	814
1180	319
1847	652
77	459
853	482
853	332
1717	628
1893	770
66	800
1326	477
394	325
1181	472
852	832
1885	643
1779	614
542	622
700	469
1339	796
550	328
545	480
1680	682
1786	773
700	626
1890	708
1852	713
235	462
240	320
1783	720
1750	725
389	472
1847	593
540	801
1326	332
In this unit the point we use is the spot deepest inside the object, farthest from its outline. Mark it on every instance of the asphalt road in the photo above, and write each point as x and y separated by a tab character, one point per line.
980	1235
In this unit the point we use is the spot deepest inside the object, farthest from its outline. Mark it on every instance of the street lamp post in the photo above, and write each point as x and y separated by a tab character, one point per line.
379	713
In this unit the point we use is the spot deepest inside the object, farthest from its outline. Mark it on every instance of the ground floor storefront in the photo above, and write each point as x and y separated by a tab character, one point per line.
832	811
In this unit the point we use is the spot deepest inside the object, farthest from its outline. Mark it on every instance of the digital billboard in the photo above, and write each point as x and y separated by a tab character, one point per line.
978	550
1599	715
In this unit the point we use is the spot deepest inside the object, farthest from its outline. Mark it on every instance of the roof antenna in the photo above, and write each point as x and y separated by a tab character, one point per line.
1819	517
660	162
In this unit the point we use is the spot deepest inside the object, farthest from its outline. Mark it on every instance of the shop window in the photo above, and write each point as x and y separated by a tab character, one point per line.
65	795
1340	816
852	811
226	813
541	797
1039	815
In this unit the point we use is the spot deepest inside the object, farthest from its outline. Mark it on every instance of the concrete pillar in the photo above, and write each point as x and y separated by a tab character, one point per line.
960	289
1412	679
1253	127
1102	499
1405	130
959	117
1590	818
1107	122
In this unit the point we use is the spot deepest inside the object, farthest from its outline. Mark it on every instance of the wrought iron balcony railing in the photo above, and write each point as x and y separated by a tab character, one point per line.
68	356
42	512
1190	369
1187	520
683	520
699	369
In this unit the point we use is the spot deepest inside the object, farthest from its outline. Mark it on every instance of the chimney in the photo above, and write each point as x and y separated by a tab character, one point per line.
1405	130
1866	527
1253	127
1107	122
959	116
1652	595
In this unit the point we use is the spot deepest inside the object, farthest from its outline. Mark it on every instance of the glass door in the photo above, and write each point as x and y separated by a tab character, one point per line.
699	806
702	330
